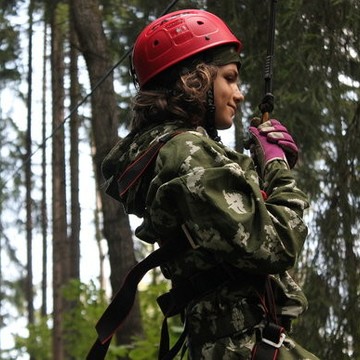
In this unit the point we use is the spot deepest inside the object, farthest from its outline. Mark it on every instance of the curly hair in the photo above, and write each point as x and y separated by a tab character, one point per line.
185	99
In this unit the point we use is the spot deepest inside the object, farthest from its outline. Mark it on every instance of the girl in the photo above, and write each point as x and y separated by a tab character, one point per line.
240	216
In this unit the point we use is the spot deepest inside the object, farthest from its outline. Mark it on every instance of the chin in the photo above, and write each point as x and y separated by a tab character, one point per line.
225	126
224	123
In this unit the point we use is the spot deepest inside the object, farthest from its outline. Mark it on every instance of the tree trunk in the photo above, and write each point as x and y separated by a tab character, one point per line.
104	125
29	221
60	240
74	158
44	217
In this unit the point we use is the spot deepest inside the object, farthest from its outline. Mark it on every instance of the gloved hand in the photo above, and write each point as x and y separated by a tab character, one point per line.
271	141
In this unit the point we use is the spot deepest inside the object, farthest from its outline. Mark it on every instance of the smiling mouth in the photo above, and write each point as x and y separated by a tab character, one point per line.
234	109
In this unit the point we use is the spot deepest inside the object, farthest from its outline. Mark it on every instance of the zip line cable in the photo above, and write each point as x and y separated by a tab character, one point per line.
77	106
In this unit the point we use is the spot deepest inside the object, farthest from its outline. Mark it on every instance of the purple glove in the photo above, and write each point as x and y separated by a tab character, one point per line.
272	141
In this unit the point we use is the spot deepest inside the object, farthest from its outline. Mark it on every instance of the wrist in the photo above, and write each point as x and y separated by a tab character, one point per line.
274	165
279	162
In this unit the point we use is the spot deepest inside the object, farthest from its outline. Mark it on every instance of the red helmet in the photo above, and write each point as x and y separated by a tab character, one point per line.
175	37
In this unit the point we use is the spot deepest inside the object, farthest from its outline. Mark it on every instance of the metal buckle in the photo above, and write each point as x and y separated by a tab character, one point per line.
275	345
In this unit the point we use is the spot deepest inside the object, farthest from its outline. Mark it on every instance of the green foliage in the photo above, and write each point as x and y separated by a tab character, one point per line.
9	46
38	343
85	305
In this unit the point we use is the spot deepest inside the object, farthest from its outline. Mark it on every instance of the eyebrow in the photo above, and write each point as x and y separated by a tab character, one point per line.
232	71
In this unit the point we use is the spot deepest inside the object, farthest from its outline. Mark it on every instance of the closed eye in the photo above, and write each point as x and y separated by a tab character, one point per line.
232	77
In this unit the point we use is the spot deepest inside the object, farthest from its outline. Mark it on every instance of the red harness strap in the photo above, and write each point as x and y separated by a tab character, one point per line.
273	334
142	162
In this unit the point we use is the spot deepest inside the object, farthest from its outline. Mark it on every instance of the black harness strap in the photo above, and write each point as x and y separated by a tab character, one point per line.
123	301
165	353
273	336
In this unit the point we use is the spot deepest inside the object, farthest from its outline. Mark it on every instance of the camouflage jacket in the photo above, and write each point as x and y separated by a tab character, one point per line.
216	196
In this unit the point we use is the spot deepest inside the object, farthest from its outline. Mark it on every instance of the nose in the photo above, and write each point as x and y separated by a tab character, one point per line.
238	95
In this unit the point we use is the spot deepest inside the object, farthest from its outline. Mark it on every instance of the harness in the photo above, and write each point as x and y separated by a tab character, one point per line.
175	301
123	300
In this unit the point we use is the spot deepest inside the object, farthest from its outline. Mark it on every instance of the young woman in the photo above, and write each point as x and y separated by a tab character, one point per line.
240	216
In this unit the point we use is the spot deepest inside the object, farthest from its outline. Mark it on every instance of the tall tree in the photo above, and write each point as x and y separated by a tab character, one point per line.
94	47
59	223
44	207
74	156
28	170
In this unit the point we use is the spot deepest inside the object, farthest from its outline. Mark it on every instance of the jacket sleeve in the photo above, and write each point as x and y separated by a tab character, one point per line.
215	193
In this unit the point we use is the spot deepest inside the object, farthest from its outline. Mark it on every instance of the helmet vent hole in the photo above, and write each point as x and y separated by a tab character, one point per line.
156	42
207	38
199	22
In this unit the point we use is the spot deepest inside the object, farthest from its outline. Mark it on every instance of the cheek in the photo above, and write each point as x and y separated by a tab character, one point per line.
219	95
217	102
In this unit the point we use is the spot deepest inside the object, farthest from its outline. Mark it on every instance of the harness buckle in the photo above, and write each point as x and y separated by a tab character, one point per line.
272	343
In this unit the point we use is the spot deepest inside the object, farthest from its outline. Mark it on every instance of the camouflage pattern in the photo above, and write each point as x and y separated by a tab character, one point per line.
214	194
239	346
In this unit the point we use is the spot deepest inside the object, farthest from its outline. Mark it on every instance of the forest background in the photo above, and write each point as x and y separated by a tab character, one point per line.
65	96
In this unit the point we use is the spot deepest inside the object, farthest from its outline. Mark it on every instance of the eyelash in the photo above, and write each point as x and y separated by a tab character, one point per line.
230	77
233	79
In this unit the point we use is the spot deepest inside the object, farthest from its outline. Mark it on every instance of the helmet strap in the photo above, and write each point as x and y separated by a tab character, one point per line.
133	74
210	116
